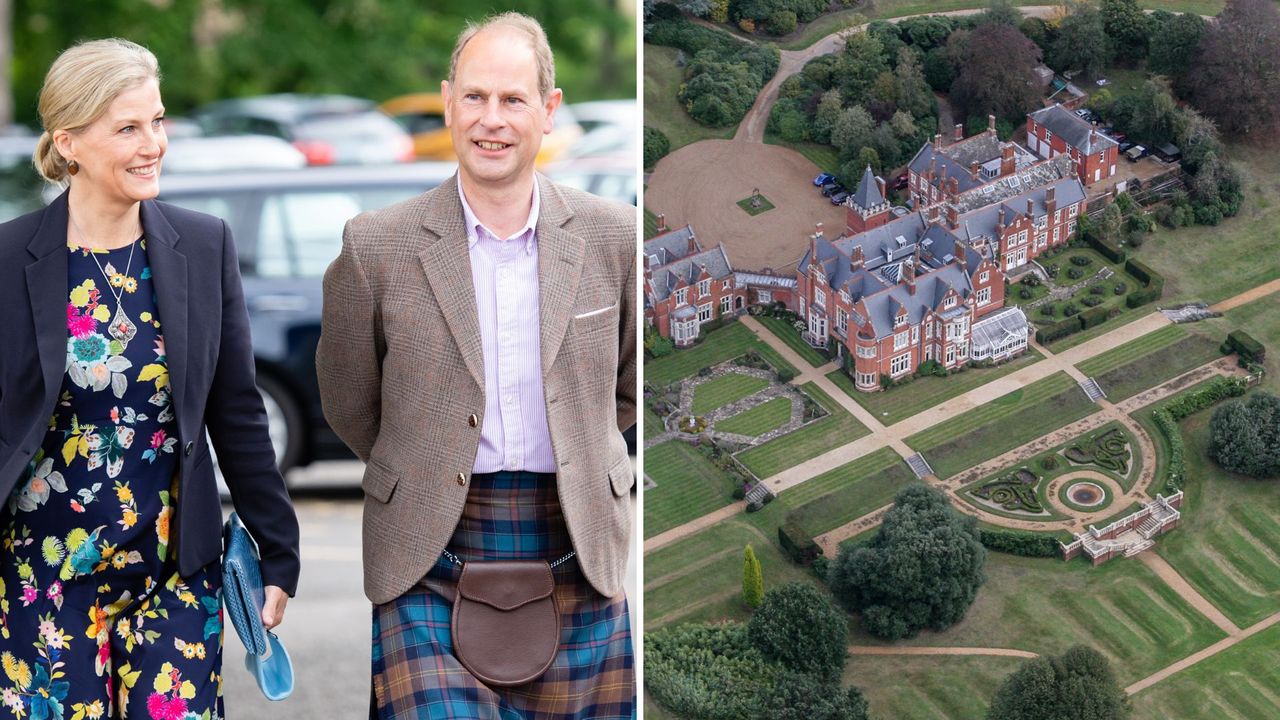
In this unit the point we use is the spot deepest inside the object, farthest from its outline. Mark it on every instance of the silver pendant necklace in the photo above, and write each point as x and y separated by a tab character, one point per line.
121	328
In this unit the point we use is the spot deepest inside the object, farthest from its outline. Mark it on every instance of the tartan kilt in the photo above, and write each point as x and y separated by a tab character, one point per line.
508	516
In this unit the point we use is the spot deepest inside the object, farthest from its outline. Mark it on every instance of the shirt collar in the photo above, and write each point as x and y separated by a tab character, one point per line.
474	225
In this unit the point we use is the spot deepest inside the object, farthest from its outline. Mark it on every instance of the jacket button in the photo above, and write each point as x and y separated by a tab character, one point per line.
462	479
191	445
472	420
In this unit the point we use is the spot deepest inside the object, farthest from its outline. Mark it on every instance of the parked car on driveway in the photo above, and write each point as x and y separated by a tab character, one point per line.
901	182
823	179
1135	153
831	189
287	226
839	197
327	129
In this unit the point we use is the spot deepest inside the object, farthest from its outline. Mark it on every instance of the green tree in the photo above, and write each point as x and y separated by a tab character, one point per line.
1082	42
1077	685
782	22
1245	436
912	90
801	696
656	146
997	73
826	116
719	11
903	125
860	63
868	157
852	131
1000	12
922	569
1175	42
798	627
752	578
939	71
1110	223
1128	28
1237	74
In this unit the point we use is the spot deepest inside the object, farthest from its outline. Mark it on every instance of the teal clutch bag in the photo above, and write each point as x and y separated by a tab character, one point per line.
243	596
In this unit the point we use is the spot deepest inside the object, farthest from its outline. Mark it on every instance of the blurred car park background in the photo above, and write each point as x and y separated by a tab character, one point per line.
286	118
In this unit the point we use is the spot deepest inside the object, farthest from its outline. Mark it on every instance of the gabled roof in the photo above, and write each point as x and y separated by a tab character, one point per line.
931	287
867	195
670	246
1075	131
666	278
1035	175
957	157
982	222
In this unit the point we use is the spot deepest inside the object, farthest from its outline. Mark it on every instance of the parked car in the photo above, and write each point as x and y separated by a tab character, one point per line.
327	129
288	228
839	197
1135	153
611	176
823	179
1124	146
422	116
831	189
901	182
231	152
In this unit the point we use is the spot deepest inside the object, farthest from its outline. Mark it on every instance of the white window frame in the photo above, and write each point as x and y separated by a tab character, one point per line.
1072	211
704	288
915	334
705	313
682	297
984	296
951	354
950	303
764	297
867	352
866	379
984	276
900	364
842	321
819	297
900	340
726	302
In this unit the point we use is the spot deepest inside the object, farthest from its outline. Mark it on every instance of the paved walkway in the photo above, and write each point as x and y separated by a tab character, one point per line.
1162	568
1208	652
693	526
906	650
1247	296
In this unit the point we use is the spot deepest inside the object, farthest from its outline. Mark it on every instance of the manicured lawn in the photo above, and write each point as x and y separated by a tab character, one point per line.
920	687
1215	263
848	492
652	424
1045	605
824	156
699	578
689	486
1228	545
1125	317
1239	682
1002	424
821	27
899	403
650	224
1157	366
1132	350
717	346
789	335
1261	320
759	419
1063	261
662	109
810	441
745	204
723	390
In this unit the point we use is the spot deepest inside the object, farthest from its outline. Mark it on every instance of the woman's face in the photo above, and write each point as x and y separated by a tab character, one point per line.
119	153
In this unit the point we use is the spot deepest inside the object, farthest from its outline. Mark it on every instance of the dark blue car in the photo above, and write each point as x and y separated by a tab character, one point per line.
823	179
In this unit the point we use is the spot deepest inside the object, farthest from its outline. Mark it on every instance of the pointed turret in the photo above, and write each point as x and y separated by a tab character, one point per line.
868	207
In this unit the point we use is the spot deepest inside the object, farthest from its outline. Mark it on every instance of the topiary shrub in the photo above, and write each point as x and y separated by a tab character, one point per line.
1070	309
1049	462
1081	260
1245	436
797	543
1121	288
1075	273
785	375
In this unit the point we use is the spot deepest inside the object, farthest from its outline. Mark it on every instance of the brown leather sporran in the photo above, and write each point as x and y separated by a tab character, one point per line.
506	625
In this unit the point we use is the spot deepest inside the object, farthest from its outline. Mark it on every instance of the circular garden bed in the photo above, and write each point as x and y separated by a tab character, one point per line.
1084	495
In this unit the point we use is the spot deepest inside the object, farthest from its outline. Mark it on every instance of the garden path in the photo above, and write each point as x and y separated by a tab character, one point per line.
1208	652
1170	576
913	650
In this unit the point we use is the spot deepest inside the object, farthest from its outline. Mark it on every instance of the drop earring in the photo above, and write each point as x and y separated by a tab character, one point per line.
73	167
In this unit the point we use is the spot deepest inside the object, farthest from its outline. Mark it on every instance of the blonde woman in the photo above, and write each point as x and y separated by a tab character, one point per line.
126	336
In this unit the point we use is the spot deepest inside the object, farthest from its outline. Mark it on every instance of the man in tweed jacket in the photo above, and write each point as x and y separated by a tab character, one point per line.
415	310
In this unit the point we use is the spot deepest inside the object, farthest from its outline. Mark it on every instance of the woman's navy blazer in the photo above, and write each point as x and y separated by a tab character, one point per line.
211	372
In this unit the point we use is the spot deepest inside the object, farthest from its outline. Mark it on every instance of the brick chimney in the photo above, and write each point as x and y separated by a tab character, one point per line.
942	180
933	213
961	259
880	184
818	229
933	169
1050	204
813	249
991	124
1031	209
937	141
959	132
953	216
973	170
909	276
662	222
955	186
1000	221
1007	163
855	258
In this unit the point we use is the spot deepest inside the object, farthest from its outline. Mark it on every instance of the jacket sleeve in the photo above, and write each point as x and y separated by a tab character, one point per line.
626	392
237	425
348	358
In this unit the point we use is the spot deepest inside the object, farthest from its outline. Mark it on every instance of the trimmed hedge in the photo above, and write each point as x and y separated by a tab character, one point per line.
1057	330
1093	316
796	543
1180	407
1152	281
1108	249
1246	346
1015	542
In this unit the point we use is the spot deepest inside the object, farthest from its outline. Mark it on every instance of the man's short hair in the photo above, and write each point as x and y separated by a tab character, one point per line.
523	23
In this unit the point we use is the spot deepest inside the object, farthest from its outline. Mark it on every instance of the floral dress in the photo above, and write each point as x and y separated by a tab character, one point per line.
94	620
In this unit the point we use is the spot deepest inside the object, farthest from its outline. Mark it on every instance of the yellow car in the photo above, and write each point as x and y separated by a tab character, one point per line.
422	116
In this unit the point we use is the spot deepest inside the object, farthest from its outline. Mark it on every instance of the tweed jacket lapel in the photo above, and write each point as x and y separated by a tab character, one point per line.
447	262
560	256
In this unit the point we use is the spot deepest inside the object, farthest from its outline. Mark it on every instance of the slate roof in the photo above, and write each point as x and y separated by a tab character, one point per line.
957	157
930	289
982	222
1072	129
669	246
664	279
867	195
1038	174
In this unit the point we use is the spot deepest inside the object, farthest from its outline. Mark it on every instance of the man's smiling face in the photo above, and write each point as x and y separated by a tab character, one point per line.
494	111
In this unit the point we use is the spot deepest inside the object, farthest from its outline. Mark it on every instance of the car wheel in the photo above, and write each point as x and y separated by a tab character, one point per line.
284	422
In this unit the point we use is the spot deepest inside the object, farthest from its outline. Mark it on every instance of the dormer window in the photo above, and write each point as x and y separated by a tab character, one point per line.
682	296
900	320
949	303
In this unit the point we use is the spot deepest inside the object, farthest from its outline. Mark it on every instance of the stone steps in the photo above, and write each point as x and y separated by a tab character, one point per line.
919	466
1092	389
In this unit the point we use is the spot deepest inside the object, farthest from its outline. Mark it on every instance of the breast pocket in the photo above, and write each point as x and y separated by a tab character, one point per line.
593	320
